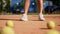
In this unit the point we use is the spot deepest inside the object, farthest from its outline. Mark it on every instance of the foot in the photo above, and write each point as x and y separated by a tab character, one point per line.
41	17
24	17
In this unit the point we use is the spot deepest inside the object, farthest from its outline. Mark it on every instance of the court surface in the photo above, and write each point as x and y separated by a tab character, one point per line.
33	26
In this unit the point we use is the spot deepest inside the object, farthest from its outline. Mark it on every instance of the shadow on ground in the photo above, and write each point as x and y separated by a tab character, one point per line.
11	19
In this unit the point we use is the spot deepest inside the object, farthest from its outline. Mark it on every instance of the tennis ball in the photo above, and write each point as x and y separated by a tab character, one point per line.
51	25
7	30
9	23
52	32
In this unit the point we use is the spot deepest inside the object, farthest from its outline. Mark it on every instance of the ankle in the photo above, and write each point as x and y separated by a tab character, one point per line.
24	14
40	13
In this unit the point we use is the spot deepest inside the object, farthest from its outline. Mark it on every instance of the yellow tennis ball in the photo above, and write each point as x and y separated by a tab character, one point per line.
51	25
9	23
7	30
52	32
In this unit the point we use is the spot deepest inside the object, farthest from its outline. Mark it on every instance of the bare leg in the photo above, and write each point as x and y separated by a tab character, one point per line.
40	5
26	6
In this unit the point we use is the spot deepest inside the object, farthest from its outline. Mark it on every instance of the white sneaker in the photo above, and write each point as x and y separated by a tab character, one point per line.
41	17
24	17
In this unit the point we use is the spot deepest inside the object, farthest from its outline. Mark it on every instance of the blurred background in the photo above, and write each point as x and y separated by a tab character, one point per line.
16	6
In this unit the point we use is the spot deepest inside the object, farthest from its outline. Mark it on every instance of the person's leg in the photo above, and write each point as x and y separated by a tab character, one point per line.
40	9
26	6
